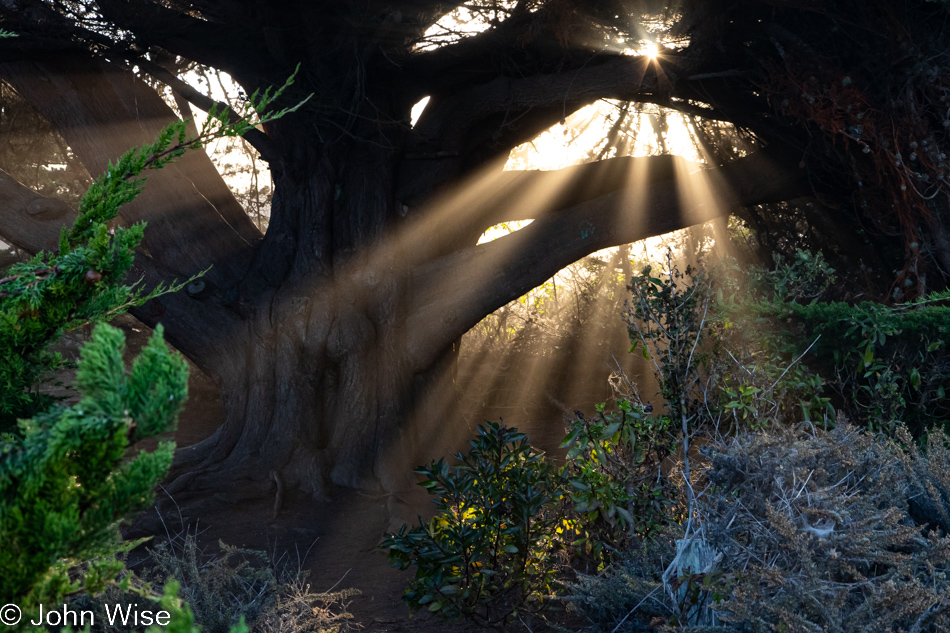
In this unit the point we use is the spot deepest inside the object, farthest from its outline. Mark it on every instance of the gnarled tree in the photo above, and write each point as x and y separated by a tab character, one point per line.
331	331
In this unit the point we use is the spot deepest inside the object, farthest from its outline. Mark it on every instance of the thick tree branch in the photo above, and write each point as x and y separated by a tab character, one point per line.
510	196
475	124
447	120
617	77
28	220
453	293
235	46
61	35
534	40
576	184
101	112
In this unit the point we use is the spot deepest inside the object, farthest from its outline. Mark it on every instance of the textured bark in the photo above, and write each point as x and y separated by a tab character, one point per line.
325	391
31	222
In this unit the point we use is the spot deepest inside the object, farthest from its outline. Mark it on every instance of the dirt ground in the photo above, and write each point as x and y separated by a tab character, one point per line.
336	541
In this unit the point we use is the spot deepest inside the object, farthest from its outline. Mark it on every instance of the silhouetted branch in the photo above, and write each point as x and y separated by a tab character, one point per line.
453	293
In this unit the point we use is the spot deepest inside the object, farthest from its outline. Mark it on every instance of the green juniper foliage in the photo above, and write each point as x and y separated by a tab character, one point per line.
65	479
50	294
64	484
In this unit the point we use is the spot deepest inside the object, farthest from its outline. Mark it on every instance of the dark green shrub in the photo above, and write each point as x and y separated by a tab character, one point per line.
888	364
613	469
882	365
762	374
490	554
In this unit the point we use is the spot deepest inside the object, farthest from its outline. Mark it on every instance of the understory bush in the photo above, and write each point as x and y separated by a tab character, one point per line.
509	522
780	485
490	553
887	365
881	365
613	474
736	350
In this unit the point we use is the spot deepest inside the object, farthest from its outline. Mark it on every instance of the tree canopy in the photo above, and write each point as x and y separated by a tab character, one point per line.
330	331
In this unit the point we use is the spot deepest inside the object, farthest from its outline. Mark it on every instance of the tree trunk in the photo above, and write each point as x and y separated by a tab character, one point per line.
320	389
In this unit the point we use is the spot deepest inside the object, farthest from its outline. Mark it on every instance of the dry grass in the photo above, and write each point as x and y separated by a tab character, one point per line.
295	607
816	532
840	532
221	588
